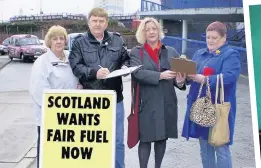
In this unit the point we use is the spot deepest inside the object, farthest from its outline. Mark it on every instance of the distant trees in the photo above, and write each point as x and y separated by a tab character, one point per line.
72	26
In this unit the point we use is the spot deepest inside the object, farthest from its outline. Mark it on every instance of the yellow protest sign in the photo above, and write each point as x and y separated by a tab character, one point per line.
78	129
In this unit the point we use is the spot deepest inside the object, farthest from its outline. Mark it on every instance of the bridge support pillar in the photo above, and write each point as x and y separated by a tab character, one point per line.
184	35
161	22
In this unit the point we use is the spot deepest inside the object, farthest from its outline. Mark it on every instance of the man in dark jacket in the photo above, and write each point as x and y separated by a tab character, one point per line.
93	56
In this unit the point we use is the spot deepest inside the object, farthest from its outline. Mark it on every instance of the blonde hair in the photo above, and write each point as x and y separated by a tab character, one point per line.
140	34
100	12
55	30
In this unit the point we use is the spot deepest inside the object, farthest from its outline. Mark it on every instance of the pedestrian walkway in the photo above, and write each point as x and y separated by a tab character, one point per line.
18	133
17	130
4	60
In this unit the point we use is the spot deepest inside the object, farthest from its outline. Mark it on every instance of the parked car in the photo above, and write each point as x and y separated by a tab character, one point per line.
25	47
6	42
3	49
43	43
71	38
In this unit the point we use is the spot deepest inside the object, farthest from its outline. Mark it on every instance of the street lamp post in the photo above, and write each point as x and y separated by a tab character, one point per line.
41	17
2	13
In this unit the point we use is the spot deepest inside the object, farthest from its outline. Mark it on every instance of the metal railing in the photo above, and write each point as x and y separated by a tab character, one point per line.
46	16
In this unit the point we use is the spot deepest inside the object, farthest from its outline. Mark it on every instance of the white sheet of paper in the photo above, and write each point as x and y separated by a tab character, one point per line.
121	72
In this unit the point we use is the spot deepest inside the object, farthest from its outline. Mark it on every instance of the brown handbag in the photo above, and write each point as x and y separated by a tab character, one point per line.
220	134
203	112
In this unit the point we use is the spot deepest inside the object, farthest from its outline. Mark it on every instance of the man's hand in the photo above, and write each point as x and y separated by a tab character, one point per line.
102	73
124	67
167	75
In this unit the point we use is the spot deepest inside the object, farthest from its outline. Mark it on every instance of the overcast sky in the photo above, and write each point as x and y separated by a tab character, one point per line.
10	8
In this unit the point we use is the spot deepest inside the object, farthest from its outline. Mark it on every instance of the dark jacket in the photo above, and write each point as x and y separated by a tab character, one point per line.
87	54
158	112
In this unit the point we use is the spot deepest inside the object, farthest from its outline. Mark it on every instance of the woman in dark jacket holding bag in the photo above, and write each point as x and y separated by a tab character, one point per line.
217	58
158	101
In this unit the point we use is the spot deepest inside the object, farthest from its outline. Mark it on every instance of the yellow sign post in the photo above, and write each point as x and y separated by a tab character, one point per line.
78	129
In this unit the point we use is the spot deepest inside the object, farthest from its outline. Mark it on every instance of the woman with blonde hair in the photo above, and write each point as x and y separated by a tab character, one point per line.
51	71
158	101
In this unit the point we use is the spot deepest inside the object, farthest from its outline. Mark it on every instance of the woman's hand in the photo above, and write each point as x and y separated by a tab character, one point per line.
167	75
79	86
180	79
199	78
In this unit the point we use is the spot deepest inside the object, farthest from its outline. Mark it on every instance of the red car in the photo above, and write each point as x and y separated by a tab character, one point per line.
25	47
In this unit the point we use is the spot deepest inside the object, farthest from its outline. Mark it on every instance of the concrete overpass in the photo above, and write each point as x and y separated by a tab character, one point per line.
183	11
231	14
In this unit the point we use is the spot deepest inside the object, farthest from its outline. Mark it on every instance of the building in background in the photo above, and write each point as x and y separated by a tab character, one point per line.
157	1
114	7
181	4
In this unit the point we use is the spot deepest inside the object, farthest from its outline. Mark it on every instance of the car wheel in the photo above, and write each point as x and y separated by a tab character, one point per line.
22	57
11	58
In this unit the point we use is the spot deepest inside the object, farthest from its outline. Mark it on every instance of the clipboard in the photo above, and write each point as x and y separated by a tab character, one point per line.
122	72
183	65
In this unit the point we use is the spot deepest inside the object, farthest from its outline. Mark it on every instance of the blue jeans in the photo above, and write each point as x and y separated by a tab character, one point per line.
38	145
120	148
215	157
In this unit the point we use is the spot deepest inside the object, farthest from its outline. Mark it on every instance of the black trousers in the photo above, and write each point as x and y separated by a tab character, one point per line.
144	153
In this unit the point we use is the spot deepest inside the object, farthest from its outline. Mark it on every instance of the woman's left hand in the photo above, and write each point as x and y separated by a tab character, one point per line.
180	78
79	86
199	78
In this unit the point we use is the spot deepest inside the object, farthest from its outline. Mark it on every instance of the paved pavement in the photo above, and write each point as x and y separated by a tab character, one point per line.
18	132
4	60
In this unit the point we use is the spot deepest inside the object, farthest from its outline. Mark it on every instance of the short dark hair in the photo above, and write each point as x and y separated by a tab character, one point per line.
218	27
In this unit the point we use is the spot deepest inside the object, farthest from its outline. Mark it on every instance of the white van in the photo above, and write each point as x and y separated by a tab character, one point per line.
71	38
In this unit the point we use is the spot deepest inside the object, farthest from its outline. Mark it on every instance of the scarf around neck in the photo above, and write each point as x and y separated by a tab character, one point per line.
153	53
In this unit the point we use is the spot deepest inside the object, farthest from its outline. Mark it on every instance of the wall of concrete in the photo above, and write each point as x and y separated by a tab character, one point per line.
180	4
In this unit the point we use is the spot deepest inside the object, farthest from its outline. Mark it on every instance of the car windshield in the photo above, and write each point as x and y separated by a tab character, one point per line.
29	41
6	42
